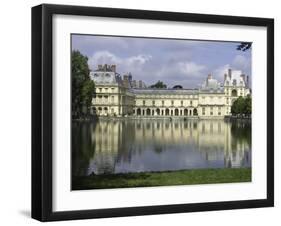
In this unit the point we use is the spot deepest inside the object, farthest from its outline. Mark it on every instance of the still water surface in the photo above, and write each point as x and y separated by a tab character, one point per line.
123	146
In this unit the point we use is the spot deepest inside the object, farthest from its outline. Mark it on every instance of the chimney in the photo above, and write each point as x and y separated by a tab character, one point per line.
125	77
134	83
225	75
140	84
125	81
243	77
209	76
229	73
113	68
130	77
99	67
247	80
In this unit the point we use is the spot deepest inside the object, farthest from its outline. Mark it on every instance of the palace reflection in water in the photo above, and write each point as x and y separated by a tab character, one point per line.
159	145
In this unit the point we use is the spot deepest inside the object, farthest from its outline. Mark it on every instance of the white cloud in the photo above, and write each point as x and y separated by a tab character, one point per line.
181	70
220	71
185	73
144	67
241	62
103	57
127	64
150	70
191	68
137	60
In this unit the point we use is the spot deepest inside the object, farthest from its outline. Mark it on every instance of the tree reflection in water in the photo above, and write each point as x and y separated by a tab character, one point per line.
120	146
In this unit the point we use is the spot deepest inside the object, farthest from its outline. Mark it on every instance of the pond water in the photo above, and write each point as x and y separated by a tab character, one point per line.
121	146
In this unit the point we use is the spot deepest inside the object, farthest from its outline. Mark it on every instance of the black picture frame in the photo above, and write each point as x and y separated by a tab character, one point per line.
42	111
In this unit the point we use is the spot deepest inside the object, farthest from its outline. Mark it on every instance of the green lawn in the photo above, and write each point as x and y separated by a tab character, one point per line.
181	177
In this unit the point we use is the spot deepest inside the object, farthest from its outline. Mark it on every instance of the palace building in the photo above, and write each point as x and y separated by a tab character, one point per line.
117	96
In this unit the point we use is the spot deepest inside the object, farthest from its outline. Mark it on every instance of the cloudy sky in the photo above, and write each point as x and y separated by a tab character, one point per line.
184	62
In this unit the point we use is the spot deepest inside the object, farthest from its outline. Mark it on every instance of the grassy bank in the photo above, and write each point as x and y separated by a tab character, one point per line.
181	177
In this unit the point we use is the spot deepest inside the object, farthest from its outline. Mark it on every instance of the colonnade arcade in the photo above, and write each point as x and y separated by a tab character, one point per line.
165	111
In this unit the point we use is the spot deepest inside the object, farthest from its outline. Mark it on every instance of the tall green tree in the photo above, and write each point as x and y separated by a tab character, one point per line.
82	86
248	105
242	106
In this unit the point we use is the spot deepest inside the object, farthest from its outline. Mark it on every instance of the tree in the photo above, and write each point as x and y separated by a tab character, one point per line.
87	92
82	85
244	46
159	85
248	105
242	106
237	106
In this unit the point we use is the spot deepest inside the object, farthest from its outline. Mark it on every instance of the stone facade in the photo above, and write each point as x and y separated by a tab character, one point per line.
112	97
115	96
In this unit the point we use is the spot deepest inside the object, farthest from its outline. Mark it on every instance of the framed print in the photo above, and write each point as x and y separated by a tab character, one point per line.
145	112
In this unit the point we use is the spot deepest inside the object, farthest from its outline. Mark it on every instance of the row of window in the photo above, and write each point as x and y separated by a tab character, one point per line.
105	99
153	96
163	102
211	111
106	75
211	97
105	90
166	112
234	83
234	92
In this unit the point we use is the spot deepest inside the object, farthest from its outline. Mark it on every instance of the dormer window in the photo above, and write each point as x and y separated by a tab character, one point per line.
234	82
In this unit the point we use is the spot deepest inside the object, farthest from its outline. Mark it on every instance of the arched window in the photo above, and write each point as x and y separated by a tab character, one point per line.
158	111
195	111
234	93
147	111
